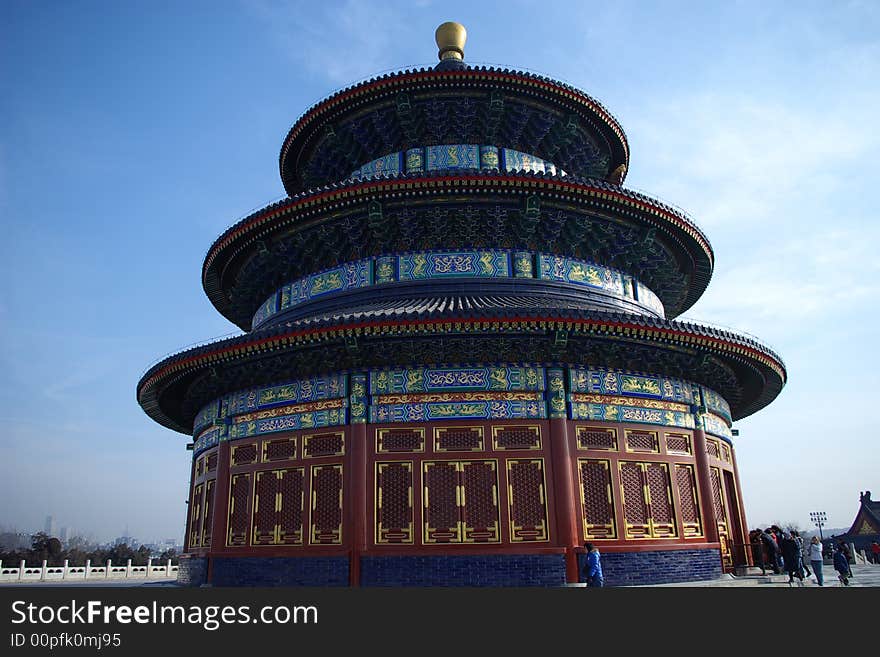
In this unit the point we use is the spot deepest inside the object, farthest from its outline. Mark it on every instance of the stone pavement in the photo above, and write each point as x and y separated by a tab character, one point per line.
863	575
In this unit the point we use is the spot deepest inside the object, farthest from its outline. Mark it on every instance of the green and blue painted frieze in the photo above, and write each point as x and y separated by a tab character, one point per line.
715	425
501	378
439	265
450	410
609	382
446	157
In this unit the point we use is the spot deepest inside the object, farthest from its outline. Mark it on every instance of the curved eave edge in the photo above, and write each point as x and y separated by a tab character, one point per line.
657	331
469	74
252	226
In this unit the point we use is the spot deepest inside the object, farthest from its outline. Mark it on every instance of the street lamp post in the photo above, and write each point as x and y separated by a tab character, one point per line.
819	518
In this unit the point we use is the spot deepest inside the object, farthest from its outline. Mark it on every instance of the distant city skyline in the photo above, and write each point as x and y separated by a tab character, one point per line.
135	134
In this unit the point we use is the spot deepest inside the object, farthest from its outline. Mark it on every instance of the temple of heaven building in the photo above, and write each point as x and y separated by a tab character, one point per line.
460	359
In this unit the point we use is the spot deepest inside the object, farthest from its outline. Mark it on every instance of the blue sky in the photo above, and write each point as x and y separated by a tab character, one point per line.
132	134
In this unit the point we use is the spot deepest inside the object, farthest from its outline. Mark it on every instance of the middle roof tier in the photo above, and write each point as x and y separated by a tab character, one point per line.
583	219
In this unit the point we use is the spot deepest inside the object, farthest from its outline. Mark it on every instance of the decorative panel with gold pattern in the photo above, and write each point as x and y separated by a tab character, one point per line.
720	514
244	454
291	507
327	509
659	491
195	521
596	438
239	500
712	448
403	440
458	439
516	436
208	513
282	449
198	468
211	462
527	501
278	507
635	506
678	443
641	441
265	511
685	480
480	519
647	500
394	502
441	499
597	500
323	444
725	452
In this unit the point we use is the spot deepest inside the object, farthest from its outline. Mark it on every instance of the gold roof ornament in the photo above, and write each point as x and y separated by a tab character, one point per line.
450	38
616	176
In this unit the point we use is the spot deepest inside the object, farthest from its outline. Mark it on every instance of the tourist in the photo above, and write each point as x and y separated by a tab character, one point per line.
875	552
771	549
841	565
801	561
593	569
841	546
816	558
792	558
758	552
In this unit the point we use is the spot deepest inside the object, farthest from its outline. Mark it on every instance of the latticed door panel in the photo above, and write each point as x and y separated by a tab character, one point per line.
635	506
480	520
660	500
265	508
208	512
597	499
326	521
195	518
239	501
720	514
527	500
291	507
685	480
441	499
394	502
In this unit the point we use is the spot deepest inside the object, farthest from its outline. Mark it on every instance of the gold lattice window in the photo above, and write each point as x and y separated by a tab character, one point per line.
647	500
400	440
458	439
597	502
596	438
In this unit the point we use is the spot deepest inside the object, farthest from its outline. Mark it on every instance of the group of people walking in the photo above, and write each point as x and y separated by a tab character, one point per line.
785	551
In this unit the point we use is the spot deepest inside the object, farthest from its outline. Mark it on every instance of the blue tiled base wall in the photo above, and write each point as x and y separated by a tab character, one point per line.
445	570
192	571
280	571
660	567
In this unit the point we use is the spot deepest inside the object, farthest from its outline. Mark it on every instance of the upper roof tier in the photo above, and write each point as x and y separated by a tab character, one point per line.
453	104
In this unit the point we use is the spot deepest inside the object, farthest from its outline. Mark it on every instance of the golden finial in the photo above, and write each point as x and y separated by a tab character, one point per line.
450	38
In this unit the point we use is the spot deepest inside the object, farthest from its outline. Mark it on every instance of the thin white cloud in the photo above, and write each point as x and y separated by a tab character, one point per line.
340	42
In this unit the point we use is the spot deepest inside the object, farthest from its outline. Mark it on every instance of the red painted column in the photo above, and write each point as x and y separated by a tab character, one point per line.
704	483
358	476
563	481
742	510
221	504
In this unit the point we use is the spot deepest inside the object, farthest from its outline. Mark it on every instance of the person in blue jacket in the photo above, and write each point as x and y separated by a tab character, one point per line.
593	569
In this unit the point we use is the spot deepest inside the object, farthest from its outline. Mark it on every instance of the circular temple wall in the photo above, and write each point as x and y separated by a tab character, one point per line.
479	476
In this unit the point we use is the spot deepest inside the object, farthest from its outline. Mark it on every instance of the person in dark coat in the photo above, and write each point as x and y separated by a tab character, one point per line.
791	556
759	557
771	550
841	565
